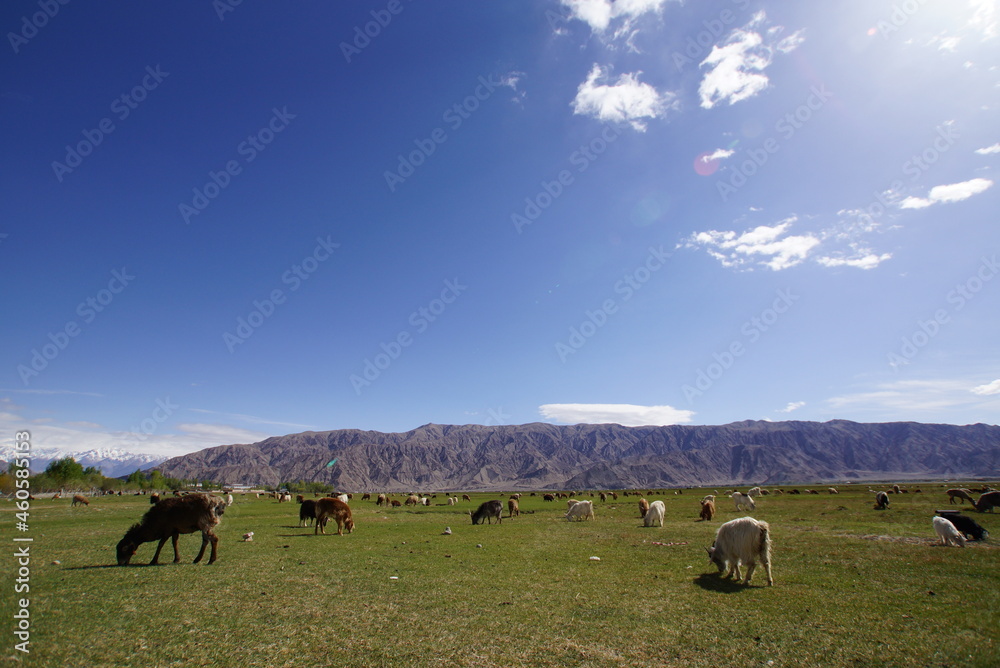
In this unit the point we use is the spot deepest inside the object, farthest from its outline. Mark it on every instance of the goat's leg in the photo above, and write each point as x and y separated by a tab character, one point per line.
177	554
156	555
750	569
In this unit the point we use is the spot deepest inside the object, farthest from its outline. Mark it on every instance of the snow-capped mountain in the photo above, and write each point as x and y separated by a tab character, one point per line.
111	462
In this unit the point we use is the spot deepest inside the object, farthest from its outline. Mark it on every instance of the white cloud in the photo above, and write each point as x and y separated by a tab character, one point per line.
863	260
717	154
600	14
988	388
954	192
989	149
628	415
769	246
792	406
736	67
626	101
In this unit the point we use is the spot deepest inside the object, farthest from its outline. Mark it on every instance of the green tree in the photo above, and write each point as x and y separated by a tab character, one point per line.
64	471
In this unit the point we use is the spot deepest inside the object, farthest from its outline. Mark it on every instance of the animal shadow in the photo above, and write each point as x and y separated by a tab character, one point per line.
712	582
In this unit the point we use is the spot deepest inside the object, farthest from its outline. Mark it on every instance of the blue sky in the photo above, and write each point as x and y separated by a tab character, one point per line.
225	222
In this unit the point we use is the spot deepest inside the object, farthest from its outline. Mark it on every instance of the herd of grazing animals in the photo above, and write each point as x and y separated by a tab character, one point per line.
740	542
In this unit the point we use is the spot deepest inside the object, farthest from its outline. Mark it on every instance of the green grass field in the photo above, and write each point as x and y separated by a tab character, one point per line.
853	587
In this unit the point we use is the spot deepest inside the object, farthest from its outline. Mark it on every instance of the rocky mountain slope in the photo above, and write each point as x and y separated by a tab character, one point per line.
587	456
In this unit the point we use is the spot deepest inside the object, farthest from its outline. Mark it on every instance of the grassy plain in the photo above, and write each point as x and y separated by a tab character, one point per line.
853	587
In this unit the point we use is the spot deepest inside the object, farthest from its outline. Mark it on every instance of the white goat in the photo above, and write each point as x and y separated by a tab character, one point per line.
581	510
947	532
744	540
741	499
654	516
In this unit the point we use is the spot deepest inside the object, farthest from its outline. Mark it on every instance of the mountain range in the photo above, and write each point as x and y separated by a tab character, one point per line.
111	462
602	456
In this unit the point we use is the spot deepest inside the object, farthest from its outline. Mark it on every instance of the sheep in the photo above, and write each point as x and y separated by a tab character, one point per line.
895	489
338	510
881	501
284	498
513	510
412	500
382	500
604	497
487	511
395	503
654	516
967	526
307	512
707	510
366	497
79	498
171	517
582	510
754	491
643	507
343	498
451	501
743	540
708	497
743	500
229	499
614	496
425	501
962	495
548	497
153	498
832	490
988	501
947	532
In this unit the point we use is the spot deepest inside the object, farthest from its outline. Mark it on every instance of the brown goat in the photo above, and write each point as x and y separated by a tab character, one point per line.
171	517
338	510
513	509
707	510
962	495
80	498
988	501
395	503
643	507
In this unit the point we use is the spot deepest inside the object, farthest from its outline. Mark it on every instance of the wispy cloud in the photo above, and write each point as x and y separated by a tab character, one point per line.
792	406
627	100
916	399
717	154
251	419
989	150
955	192
625	414
736	65
51	392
